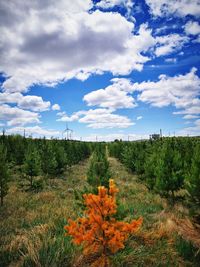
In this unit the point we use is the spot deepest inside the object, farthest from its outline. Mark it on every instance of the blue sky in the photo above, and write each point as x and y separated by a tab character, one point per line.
109	69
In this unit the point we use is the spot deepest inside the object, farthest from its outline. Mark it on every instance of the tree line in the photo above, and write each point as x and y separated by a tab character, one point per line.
34	157
166	165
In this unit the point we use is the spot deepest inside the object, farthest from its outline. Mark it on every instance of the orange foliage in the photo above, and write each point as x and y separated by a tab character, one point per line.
98	231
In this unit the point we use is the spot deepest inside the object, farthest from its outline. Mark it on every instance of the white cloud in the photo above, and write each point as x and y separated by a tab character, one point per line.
180	8
189	117
34	131
192	131
34	103
171	60
55	107
139	118
168	44
128	4
31	102
16	116
98	118
114	96
192	27
45	43
110	3
182	91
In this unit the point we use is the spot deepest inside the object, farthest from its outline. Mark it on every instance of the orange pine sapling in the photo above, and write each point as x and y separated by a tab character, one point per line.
98	232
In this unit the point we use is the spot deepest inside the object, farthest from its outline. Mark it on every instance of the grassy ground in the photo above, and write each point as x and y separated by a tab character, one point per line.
31	224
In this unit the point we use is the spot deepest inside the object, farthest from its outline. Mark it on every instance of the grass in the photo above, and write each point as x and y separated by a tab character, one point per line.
31	224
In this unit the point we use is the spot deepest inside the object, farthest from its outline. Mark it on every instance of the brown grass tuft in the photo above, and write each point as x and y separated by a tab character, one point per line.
28	244
189	231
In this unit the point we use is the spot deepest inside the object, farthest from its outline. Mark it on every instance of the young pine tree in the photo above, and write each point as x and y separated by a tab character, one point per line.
4	174
150	169
169	178
61	158
32	164
193	181
49	163
98	172
99	233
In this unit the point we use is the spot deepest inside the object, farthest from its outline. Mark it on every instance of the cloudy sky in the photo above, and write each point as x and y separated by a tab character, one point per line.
109	68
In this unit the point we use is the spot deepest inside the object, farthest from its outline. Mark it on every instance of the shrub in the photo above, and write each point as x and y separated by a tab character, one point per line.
98	231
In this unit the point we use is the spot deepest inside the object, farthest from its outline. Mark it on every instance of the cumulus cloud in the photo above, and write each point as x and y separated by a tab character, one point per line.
179	8
127	4
34	103
45	43
110	3
16	116
55	107
31	102
114	96
182	91
193	28
35	131
98	118
168	44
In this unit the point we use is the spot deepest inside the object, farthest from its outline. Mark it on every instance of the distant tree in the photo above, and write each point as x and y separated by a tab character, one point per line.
150	169
193	179
99	172
4	174
169	171
61	158
49	163
129	156
32	164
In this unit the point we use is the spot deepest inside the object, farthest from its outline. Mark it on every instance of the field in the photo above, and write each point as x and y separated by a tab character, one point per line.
32	223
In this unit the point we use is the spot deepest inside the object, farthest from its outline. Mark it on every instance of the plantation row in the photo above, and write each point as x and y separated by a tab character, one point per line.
35	157
166	165
97	230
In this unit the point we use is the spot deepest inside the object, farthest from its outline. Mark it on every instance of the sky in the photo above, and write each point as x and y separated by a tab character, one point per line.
109	69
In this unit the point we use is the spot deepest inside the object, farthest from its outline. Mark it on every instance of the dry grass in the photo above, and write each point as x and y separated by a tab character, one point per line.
31	225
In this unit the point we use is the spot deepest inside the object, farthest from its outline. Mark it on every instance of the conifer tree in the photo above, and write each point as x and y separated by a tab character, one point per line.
4	174
99	233
98	172
170	176
129	157
61	158
49	163
193	180
150	169
32	164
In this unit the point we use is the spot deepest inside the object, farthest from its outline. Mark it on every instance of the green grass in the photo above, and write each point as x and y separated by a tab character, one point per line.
32	234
